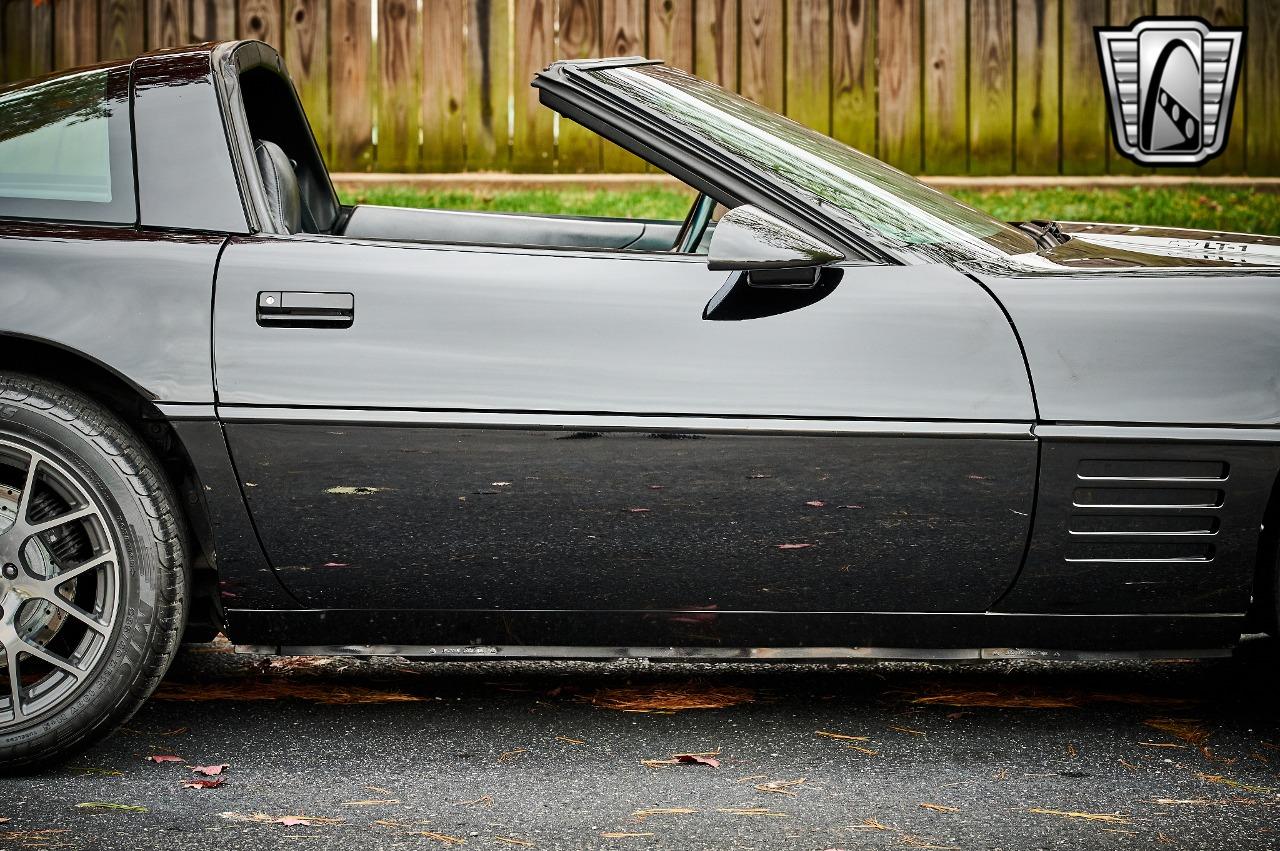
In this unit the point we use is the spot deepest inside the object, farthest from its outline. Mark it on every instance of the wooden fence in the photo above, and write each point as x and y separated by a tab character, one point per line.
933	86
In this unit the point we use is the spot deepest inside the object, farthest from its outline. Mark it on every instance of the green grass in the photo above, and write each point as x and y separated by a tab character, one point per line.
1216	208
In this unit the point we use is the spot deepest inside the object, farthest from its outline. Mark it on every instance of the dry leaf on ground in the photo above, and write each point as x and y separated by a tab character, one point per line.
212	783
707	758
210	770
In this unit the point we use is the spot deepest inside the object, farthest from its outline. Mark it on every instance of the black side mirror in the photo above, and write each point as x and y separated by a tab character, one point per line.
749	239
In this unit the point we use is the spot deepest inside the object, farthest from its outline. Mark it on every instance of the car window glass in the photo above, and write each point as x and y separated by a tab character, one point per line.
64	150
890	202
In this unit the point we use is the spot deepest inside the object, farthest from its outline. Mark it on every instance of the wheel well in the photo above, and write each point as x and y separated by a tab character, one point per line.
1264	612
126	401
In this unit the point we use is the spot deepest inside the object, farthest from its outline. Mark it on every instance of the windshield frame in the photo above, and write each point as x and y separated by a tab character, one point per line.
578	90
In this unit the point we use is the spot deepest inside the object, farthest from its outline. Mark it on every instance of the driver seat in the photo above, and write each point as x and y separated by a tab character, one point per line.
280	187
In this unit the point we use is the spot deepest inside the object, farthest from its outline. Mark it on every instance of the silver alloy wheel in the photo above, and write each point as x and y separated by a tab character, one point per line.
60	582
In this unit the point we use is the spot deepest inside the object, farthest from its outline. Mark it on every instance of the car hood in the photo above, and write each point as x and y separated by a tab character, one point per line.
1106	246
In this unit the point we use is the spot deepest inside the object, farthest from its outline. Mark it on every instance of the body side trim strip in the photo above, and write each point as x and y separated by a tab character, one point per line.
621	422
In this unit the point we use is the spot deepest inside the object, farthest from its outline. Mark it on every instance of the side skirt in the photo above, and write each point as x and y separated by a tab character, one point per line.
729	635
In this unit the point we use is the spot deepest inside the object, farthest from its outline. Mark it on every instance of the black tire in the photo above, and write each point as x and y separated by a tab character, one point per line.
128	562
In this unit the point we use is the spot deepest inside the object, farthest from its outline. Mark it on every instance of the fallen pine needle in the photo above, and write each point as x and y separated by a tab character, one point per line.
779	787
1023	698
641	815
1162	745
752	811
371	803
289	820
1235	784
860	749
571	741
440	837
914	841
940	808
1109	818
1185	729
843	737
512	840
619	835
670	697
107	805
243	690
908	731
507	756
1194	801
483	800
872	824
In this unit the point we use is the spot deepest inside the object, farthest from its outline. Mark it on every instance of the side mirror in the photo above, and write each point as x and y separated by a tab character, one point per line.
749	239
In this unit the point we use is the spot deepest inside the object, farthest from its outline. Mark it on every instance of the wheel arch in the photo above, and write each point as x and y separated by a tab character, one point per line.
136	407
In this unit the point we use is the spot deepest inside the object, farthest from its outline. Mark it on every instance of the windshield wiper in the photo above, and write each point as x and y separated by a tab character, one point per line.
1045	232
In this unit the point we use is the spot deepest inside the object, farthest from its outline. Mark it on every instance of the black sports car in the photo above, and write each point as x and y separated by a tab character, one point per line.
851	418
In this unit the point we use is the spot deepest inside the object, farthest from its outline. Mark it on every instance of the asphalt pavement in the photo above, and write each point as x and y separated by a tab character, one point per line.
389	753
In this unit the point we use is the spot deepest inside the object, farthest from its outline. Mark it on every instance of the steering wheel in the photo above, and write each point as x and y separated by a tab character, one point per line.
695	225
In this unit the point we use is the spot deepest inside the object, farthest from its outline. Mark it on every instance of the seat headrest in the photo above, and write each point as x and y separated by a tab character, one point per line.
280	183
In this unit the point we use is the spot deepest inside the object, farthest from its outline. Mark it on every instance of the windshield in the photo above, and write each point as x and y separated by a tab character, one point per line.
890	202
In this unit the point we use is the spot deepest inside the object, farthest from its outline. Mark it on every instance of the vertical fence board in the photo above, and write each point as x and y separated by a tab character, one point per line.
41	39
623	27
760	52
671	32
168	23
898	44
715	41
444	82
215	20
261	19
853	73
399	99
1036	73
352	85
1262	72
532	131
1124	12
808	83
488	82
15	41
579	149
1218	13
946	144
1085	134
123	25
75	33
306	51
991	87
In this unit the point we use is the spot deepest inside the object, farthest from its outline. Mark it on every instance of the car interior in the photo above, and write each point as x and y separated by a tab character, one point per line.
300	198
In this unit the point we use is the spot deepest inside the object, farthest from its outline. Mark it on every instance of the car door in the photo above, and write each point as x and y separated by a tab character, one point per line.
467	428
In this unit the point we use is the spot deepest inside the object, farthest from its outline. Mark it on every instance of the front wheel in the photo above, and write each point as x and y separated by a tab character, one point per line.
92	572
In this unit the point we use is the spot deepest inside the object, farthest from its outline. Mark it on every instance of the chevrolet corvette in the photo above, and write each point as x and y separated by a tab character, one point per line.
831	414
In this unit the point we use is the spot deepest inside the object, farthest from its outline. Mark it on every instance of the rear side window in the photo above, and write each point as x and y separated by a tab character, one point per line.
65	151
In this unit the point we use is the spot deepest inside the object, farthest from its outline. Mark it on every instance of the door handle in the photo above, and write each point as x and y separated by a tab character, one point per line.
306	310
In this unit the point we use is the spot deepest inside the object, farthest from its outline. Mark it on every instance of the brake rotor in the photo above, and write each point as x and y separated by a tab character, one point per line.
38	621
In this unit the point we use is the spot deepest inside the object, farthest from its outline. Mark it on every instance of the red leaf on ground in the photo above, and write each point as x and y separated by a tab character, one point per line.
210	770
699	758
164	757
203	784
794	546
816	503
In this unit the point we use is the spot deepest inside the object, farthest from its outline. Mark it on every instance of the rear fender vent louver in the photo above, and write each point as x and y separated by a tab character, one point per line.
1126	511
